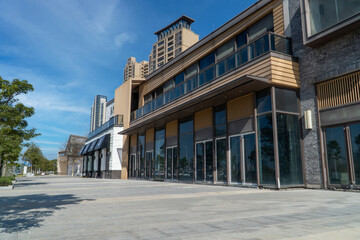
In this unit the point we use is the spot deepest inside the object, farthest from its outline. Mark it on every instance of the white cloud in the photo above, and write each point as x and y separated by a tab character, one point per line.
47	142
123	38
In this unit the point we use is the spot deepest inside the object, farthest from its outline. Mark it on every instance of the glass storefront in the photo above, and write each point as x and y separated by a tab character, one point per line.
234	158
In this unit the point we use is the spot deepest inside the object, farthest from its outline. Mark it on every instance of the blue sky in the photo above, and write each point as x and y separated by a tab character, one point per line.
72	50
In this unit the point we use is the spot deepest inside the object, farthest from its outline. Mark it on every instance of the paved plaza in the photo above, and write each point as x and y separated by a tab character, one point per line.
52	207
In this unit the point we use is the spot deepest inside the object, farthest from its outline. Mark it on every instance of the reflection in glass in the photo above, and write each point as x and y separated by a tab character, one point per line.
250	158
286	100
266	149
355	145
148	159
263	101
221	159
235	159
336	156
289	149
169	163
220	121
175	163
159	154
209	161
200	161
141	154
186	160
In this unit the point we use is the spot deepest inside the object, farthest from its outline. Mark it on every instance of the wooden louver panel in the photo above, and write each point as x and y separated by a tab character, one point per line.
339	91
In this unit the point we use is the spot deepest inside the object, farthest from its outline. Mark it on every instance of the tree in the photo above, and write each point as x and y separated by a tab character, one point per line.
13	126
35	156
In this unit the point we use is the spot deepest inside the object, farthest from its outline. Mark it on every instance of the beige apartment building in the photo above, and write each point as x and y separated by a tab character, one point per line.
134	69
171	41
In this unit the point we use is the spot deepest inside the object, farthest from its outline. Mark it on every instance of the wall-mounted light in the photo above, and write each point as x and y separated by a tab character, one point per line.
308	119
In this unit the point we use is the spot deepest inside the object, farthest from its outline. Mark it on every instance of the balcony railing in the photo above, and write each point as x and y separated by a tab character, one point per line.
266	43
114	121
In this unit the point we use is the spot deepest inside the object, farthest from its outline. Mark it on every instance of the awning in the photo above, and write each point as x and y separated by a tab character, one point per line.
86	147
103	142
92	145
82	149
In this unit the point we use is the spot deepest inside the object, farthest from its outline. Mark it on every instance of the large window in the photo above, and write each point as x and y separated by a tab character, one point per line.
220	120
221	160
159	154
186	154
324	14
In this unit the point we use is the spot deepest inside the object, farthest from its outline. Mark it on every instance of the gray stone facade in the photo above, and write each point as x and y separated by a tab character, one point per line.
334	58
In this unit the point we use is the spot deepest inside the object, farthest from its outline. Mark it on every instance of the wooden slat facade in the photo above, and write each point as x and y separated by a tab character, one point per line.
339	91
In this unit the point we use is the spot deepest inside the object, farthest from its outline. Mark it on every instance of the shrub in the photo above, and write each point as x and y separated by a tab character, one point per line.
13	177
5	181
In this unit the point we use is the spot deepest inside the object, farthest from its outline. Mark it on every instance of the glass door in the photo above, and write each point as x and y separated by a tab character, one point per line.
132	167
243	158
200	160
204	161
171	163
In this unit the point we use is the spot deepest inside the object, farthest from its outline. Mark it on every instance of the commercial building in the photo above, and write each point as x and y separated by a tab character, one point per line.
171	41
269	99
134	69
102	151
69	161
98	109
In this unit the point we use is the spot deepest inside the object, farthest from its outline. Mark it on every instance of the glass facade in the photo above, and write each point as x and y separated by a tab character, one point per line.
200	156
209	161
266	149
171	163
235	159
336	155
355	146
250	158
159	155
186	152
141	154
221	160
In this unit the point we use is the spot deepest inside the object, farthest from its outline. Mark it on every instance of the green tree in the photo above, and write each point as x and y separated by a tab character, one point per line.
34	155
13	126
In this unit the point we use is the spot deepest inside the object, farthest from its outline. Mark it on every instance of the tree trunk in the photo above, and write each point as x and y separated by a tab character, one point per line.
1	167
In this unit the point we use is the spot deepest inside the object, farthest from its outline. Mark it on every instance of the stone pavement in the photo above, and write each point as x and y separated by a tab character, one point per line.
52	207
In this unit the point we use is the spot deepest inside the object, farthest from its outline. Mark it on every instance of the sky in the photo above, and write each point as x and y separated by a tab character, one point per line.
72	50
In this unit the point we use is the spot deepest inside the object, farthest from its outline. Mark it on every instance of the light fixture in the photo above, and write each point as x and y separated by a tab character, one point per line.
308	119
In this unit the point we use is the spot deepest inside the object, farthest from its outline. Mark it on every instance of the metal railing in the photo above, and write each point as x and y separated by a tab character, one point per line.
113	121
265	43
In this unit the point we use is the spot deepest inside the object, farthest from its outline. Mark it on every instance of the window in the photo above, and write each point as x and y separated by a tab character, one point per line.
160	58
170	48
263	101
262	26
147	98
160	43
325	13
225	49
186	160
168	85
220	120
179	78
191	71
241	39
207	61
170	43
159	155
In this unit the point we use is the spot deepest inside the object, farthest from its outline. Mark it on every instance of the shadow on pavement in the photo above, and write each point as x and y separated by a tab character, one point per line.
28	211
21	184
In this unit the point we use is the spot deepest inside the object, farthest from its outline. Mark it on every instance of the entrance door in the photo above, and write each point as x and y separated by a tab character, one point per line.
171	163
243	158
342	147
204	161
